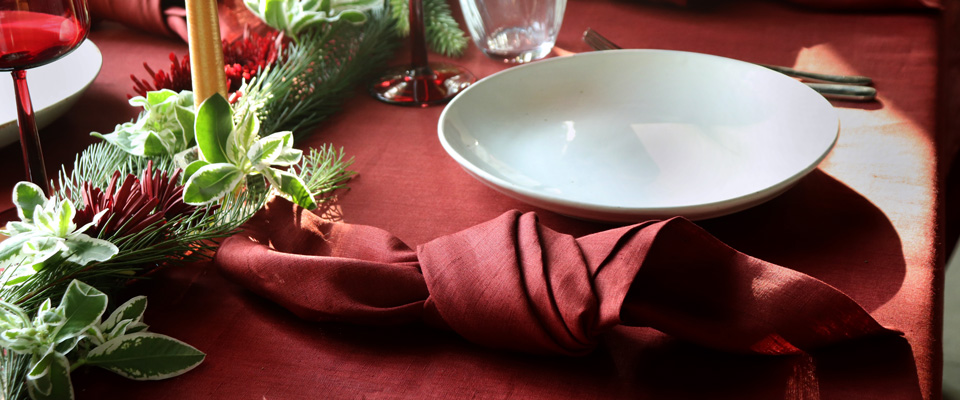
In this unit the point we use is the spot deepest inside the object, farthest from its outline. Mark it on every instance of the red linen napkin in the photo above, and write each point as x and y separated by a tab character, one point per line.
512	283
170	17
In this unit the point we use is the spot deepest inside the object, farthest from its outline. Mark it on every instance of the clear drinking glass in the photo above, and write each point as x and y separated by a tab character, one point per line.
514	31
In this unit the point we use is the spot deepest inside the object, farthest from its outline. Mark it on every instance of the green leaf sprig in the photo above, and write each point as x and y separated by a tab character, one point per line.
63	338
164	127
46	229
230	154
294	17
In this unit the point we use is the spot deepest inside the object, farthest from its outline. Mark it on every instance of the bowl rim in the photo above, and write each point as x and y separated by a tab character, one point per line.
612	213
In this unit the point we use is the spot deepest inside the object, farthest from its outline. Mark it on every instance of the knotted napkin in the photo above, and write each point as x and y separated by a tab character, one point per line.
515	284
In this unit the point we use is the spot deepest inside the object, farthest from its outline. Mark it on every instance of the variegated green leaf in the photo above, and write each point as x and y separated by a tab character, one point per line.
49	378
292	188
186	118
82	306
266	150
12	316
211	182
131	310
193	168
83	249
212	128
159	96
45	220
244	135
12	246
65	221
145	356
27	196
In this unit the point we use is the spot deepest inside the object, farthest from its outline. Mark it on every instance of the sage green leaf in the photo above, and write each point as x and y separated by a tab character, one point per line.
293	189
212	128
131	310
145	356
27	196
83	249
211	182
82	306
49	378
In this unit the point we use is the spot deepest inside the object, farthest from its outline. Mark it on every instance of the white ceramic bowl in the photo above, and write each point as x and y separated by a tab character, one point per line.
629	135
54	88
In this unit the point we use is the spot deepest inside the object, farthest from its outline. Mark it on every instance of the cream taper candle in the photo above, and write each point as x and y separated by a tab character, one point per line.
206	50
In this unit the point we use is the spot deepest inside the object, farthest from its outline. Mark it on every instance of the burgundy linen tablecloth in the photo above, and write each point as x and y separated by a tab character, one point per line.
868	222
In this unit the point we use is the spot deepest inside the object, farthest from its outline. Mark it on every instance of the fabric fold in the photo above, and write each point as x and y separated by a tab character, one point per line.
512	283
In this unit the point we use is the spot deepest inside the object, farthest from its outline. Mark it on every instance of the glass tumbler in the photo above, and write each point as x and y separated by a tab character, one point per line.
514	31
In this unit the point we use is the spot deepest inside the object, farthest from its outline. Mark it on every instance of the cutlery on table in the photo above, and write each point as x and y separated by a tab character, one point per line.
838	87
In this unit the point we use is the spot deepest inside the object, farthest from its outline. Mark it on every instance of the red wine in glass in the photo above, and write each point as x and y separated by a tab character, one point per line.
421	83
34	33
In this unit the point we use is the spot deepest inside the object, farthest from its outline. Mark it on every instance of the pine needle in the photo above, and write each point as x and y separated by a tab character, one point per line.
442	31
319	73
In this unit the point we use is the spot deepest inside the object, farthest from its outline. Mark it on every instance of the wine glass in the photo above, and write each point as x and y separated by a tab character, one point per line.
34	33
421	83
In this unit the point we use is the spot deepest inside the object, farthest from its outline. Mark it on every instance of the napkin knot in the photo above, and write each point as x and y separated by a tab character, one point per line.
513	283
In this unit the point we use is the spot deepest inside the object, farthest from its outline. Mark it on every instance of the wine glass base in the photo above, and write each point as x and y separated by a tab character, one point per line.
421	87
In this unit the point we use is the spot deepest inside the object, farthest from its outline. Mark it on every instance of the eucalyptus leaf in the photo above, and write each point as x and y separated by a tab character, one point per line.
211	182
145	356
212	128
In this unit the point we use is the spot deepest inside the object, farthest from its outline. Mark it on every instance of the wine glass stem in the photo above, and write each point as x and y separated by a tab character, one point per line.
418	40
29	138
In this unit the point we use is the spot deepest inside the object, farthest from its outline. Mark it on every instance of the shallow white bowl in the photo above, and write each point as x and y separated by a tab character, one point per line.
54	88
629	135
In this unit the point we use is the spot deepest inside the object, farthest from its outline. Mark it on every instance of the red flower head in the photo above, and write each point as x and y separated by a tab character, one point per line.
243	59
135	204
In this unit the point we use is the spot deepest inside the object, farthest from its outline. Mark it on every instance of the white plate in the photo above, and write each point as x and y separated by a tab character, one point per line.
629	135
53	89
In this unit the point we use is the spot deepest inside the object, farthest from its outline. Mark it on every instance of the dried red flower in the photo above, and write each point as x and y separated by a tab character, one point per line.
135	204
242	59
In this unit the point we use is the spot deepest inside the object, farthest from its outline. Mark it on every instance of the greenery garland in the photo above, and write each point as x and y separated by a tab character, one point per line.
164	188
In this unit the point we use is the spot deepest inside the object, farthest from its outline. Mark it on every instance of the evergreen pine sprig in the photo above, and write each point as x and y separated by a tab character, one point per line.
318	73
324	170
311	80
442	31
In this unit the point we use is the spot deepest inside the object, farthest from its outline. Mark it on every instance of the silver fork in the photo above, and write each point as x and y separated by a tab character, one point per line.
839	87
